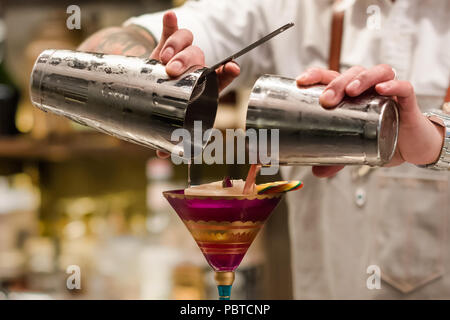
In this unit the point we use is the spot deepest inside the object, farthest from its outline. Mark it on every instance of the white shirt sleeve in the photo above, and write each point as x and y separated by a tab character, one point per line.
220	28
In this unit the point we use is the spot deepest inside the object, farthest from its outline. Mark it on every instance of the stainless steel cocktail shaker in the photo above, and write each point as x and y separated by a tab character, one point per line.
361	130
127	97
135	100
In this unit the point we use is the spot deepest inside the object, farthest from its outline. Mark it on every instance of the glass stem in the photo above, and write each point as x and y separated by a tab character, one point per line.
224	292
224	282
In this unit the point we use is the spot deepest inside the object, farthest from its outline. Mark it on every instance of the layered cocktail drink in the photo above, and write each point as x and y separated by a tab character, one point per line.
224	221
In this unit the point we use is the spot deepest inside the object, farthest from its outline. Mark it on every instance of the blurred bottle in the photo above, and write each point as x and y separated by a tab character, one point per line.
18	222
178	3
51	33
188	282
171	264
9	92
164	227
157	263
77	242
41	266
159	174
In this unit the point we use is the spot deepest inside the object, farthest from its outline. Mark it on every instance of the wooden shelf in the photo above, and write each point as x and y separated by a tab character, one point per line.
80	144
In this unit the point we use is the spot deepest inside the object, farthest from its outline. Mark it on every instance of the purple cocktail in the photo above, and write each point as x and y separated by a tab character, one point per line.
224	227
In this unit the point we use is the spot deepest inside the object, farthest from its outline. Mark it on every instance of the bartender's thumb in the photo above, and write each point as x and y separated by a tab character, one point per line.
227	74
170	26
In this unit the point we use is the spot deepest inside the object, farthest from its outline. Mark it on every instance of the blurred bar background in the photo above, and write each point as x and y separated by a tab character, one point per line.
72	196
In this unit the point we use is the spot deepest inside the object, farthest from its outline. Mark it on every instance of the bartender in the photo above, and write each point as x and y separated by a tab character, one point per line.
396	218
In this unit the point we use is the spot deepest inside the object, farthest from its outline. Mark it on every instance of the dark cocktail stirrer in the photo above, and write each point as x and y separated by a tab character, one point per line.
247	49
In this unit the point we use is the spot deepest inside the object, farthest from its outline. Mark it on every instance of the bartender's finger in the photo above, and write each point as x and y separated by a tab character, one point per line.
404	91
401	89
227	74
369	78
162	154
326	171
396	160
335	90
191	56
178	41
316	75
170	26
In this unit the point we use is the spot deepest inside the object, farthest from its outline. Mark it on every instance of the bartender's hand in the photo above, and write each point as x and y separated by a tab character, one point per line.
419	141
175	48
176	51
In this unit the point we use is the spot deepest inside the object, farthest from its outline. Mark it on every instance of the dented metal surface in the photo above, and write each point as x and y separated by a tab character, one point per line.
361	130
127	97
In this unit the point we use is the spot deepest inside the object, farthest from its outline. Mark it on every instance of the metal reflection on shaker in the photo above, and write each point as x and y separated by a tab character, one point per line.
127	97
361	130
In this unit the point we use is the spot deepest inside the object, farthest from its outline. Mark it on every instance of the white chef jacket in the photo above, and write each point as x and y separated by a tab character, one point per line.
396	218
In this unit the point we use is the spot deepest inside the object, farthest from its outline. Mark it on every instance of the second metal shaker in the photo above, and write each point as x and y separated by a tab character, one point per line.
127	97
361	130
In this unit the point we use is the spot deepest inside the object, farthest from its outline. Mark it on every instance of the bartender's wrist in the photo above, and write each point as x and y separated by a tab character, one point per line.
440	136
441	122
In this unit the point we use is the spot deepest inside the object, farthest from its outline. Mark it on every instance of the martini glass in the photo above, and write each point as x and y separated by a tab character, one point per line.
224	227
